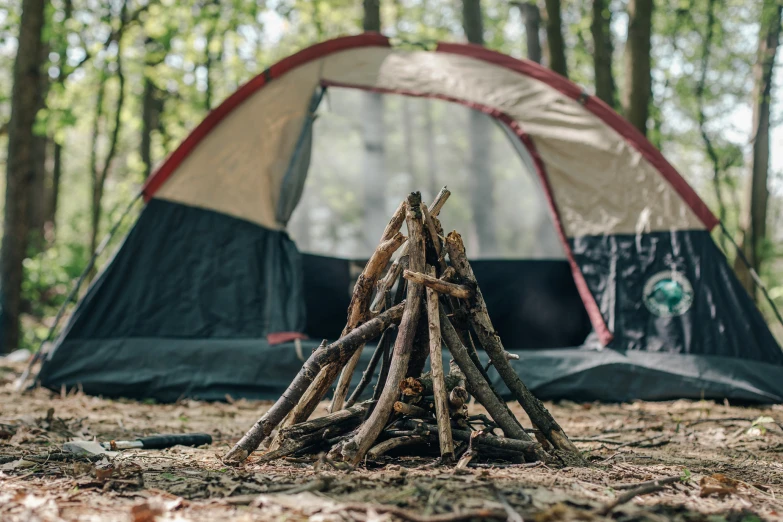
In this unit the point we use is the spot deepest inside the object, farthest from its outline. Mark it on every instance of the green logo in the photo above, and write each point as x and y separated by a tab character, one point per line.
668	294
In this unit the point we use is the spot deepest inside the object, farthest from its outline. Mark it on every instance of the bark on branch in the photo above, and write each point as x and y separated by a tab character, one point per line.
439	285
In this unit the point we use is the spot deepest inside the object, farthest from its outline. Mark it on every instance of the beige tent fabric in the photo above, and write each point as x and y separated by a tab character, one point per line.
600	183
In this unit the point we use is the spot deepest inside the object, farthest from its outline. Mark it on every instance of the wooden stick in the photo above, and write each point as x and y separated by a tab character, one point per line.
492	344
411	410
396	269
383	344
355	450
431	226
630	495
359	308
479	387
439	285
305	428
438	382
388	445
485	439
339	350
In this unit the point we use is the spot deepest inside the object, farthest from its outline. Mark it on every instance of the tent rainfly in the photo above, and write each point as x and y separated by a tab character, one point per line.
209	296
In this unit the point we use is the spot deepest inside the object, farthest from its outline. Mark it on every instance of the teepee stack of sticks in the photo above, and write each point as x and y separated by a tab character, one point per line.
437	301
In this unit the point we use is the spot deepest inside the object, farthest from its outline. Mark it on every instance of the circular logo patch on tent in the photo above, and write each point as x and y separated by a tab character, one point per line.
668	294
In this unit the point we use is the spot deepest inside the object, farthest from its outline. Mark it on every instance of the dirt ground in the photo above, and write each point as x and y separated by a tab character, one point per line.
729	460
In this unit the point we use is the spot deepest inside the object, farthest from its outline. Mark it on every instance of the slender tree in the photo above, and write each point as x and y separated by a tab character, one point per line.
20	165
482	184
602	51
636	95
99	175
531	16
374	135
555	40
754	215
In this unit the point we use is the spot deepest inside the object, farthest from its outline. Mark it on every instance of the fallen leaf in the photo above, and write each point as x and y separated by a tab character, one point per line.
144	512
103	474
717	484
17	464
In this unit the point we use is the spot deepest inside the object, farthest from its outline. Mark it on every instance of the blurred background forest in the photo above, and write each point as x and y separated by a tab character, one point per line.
103	90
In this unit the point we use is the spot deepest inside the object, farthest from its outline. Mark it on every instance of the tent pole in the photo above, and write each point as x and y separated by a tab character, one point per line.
72	294
756	279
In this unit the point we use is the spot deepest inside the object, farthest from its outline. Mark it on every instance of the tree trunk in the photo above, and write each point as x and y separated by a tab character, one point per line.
374	135
554	36
532	17
149	122
20	166
57	172
602	51
754	218
36	211
99	176
480	134
636	95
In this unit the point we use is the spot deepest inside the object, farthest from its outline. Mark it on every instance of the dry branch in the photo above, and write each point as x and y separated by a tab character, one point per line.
396	442
396	269
354	450
337	352
439	285
492	344
411	410
442	413
484	439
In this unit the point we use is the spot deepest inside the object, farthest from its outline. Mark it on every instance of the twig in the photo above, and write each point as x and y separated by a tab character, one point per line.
629	495
396	442
439	285
602	441
727	419
659	482
411	410
610	457
638	442
440	394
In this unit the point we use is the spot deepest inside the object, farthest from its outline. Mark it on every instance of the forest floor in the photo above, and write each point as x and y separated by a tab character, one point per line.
729	458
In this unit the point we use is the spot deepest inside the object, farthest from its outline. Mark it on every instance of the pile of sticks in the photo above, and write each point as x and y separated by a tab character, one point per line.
436	301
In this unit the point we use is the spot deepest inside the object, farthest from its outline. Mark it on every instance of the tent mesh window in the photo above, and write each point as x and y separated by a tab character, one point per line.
358	172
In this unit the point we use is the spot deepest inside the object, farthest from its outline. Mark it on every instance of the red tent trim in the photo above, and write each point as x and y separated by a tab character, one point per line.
600	109
320	50
528	68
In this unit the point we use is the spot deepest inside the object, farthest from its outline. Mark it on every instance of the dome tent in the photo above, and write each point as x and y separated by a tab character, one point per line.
208	291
